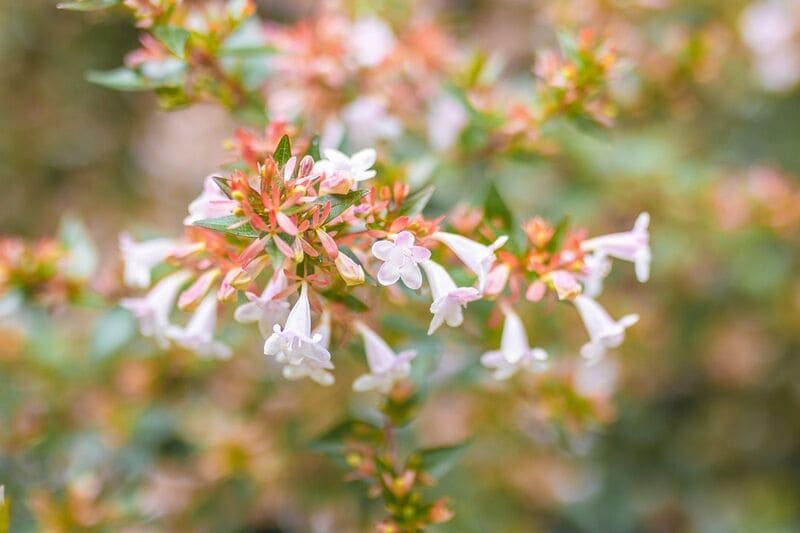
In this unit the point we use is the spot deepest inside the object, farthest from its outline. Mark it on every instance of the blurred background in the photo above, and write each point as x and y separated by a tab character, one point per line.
98	431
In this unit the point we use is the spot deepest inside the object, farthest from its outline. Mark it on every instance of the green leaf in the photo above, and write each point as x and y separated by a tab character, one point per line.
333	440
111	333
283	152
86	5
496	208
558	234
438	461
415	203
82	260
223	184
222	225
173	37
348	300
341	202
120	79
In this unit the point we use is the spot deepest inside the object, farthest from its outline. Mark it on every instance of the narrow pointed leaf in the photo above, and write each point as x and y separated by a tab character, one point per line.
173	38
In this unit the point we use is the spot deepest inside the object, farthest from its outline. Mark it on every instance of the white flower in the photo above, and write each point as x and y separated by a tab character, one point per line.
212	203
265	309
476	256
631	246
401	259
449	300
596	267
198	335
153	310
446	120
311	368
140	258
371	40
604	332
294	343
515	351
368	121
338	166
385	366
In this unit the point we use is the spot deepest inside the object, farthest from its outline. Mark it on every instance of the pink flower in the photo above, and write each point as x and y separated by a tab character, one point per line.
401	259
476	256
565	284
448	299
294	343
371	41
198	335
596	267
385	366
446	120
153	310
604	332
311	368
139	258
515	352
631	246
265	309
339	168
212	203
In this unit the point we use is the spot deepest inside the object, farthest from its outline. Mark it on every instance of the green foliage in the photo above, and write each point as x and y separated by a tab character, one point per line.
174	38
230	225
283	152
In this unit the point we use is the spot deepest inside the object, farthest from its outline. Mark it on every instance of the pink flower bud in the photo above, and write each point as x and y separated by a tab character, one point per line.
351	272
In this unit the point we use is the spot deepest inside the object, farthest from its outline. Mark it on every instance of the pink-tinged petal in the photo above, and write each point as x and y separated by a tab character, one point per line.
404	239
536	291
197	290
364	159
381	249
411	276
336	157
286	223
420	253
388	274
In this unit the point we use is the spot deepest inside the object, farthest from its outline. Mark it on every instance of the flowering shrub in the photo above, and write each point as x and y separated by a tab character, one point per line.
358	258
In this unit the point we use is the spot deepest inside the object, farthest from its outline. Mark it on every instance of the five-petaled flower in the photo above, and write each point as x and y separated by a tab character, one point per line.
476	256
153	310
515	352
311	368
385	366
631	246
449	300
604	332
139	258
198	335
401	259
342	173
294	343
266	309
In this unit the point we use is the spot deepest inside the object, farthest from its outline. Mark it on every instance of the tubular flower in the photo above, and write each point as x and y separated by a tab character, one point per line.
476	256
385	366
515	351
152	311
596	267
449	300
212	203
338	168
198	335
293	343
401	259
311	368
265	309
139	258
604	332
631	246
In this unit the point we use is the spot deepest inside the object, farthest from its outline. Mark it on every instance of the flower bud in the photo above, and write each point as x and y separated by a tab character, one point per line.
351	272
